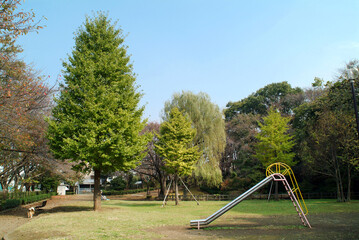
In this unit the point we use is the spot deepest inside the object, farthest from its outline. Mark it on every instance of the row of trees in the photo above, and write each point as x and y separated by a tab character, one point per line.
96	122
25	99
321	125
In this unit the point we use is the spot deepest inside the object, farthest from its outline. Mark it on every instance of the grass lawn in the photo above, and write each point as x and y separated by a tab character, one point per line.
251	219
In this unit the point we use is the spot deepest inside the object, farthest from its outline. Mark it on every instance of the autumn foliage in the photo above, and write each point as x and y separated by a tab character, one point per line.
24	101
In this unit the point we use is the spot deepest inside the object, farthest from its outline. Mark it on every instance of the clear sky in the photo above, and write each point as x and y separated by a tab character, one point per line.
226	48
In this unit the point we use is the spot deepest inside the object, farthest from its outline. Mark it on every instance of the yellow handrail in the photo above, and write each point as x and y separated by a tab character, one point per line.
286	170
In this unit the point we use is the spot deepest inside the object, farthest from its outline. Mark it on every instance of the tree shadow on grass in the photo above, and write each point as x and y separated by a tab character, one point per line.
324	226
67	209
22	210
135	205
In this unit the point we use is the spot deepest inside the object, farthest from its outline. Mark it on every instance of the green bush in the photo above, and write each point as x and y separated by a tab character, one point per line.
36	198
10	203
49	183
25	199
118	184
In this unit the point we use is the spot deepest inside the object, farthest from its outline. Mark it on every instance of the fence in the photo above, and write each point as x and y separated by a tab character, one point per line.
223	197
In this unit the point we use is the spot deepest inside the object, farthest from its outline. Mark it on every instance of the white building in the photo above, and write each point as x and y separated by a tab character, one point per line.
62	188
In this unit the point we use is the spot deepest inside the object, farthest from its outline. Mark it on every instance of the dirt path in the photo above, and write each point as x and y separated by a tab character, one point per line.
13	218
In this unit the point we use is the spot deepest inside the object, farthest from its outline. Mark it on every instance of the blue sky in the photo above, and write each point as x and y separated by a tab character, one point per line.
226	48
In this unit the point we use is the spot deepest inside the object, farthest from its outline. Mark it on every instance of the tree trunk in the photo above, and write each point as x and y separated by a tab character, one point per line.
176	190
162	182
97	191
337	181
4	190
148	194
185	193
349	183
341	186
276	191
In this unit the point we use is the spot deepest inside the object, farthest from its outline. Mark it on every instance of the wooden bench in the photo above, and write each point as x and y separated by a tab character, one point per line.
43	204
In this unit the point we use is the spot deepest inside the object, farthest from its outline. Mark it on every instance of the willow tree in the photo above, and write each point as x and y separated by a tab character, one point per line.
208	120
175	145
97	121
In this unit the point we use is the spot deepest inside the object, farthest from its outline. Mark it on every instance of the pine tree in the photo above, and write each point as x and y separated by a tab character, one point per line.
97	121
176	147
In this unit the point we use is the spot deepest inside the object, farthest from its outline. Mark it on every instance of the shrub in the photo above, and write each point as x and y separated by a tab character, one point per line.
118	183
236	184
49	183
10	203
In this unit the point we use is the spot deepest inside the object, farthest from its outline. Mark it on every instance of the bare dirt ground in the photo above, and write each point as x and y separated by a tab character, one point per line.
324	226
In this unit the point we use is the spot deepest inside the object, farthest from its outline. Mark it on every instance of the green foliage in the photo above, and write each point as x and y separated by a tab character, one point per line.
49	183
318	82
275	144
10	203
175	144
281	95
207	119
326	131
36	198
24	198
239	157
118	183
96	122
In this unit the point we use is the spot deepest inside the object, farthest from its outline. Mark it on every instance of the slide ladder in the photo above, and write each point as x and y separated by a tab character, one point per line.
297	206
285	170
277	170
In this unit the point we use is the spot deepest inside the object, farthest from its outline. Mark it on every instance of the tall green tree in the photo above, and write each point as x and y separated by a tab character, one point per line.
175	145
97	122
239	157
274	142
280	95
330	148
326	131
208	120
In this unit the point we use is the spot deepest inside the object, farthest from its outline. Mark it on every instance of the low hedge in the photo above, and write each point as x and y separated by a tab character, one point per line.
12	203
36	198
123	192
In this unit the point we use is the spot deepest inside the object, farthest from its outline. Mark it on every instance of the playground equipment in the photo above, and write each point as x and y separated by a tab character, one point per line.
275	172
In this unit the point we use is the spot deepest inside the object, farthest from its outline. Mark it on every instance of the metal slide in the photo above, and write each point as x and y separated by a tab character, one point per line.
203	222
